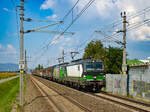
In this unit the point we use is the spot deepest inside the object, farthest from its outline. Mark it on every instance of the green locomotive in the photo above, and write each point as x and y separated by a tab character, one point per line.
82	73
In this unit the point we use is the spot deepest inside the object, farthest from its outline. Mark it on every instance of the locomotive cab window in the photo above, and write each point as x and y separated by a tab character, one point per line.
92	66
99	66
89	66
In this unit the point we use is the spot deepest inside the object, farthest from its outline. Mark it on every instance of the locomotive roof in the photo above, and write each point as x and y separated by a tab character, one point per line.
66	63
80	61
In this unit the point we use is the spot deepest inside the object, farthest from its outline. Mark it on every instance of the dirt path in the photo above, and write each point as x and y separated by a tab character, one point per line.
4	80
34	100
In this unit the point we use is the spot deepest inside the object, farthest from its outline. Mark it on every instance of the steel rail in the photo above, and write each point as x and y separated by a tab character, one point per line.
69	99
49	98
123	104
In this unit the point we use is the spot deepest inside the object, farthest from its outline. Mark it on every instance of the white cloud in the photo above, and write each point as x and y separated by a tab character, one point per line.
142	34
10	46
10	50
48	4
60	39
5	9
111	9
104	7
52	17
8	10
56	39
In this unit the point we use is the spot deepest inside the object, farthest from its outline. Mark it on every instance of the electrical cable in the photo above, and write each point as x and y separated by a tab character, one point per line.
82	11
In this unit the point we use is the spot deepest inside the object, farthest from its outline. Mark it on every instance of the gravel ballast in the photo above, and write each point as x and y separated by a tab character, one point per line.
34	100
93	103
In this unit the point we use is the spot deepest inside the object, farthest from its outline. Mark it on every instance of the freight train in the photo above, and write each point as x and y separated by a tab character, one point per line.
82	73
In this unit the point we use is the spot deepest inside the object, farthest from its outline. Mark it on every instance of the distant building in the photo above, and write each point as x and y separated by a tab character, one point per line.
146	61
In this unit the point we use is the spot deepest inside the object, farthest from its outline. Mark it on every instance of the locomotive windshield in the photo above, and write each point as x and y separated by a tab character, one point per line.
91	66
99	66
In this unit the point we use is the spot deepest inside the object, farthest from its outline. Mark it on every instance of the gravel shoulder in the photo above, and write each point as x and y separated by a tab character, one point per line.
34	100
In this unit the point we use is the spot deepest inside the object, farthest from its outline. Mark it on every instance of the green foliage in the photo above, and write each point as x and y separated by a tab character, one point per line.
8	92
112	56
134	62
94	50
114	60
39	67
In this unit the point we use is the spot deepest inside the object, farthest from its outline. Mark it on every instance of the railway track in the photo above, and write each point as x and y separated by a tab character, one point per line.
117	101
54	102
131	104
128	99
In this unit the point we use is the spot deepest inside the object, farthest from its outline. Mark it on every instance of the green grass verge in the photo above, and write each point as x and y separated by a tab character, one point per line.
8	93
134	62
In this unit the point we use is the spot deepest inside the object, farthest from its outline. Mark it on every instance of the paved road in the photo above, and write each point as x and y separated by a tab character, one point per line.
3	80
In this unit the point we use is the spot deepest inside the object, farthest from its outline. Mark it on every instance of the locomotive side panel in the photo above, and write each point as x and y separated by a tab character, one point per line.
74	70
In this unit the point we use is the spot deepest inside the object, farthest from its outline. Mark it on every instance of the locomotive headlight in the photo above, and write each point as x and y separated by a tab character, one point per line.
84	76
94	77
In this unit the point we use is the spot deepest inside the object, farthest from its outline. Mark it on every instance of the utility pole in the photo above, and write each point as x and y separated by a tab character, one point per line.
124	64
25	58
21	63
63	55
63	60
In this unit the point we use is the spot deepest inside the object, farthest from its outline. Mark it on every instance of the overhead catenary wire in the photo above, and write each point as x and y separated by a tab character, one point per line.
139	24
62	20
112	37
116	34
136	14
81	12
70	10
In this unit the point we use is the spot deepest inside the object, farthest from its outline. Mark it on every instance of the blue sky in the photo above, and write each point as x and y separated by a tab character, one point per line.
97	17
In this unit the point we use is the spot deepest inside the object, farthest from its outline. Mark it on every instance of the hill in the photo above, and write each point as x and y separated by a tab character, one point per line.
134	62
9	67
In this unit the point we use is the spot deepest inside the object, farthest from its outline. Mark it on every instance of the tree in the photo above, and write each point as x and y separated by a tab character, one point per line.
114	60
39	67
111	56
96	50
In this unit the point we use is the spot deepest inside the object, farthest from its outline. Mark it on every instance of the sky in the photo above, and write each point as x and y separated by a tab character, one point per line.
45	48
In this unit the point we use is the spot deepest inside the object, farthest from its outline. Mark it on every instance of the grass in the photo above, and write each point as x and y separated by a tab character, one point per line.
8	93
134	62
7	75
